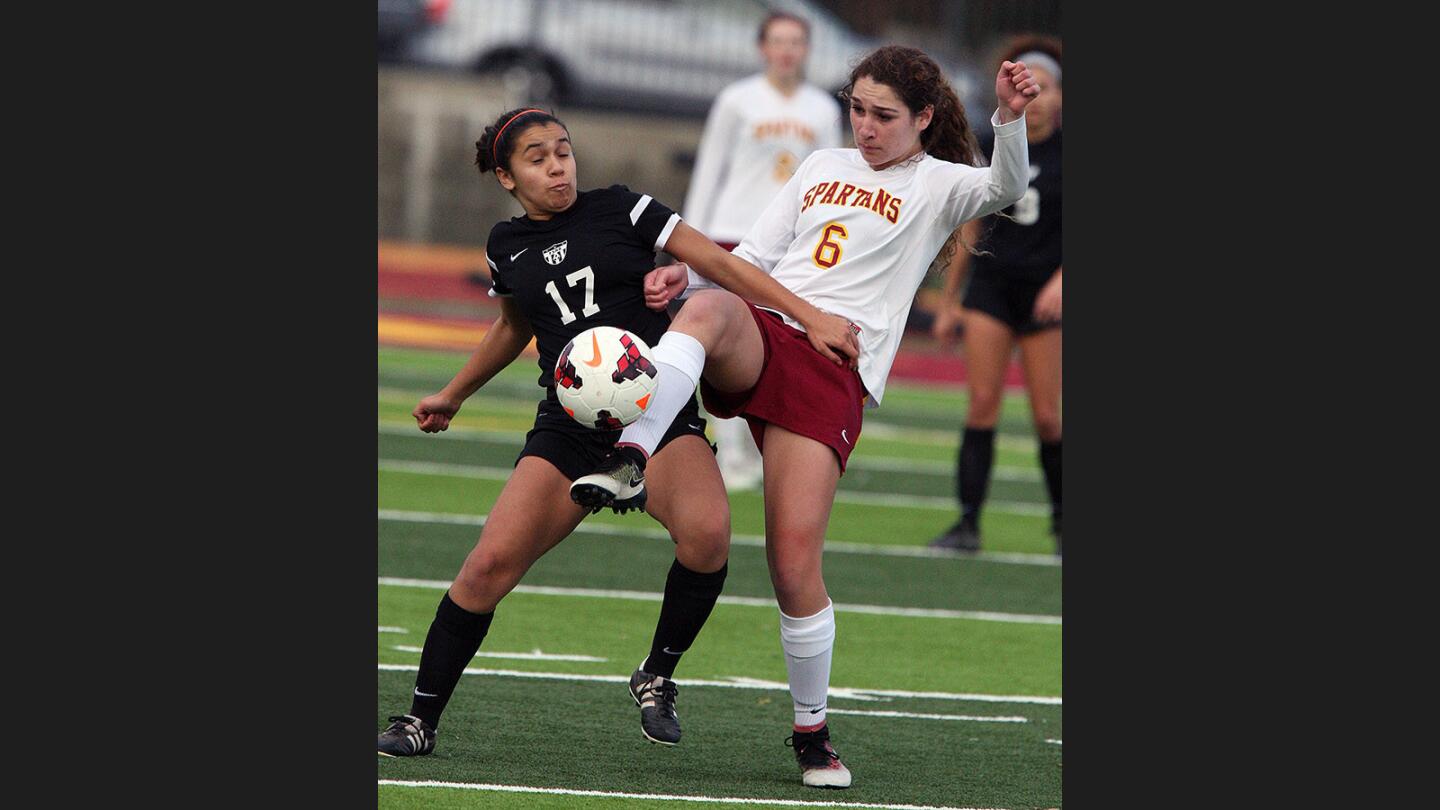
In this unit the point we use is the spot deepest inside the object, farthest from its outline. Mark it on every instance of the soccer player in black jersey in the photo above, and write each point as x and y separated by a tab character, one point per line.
1014	297
573	261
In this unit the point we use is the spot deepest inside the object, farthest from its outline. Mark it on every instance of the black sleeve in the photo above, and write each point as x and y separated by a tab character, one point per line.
494	248
652	220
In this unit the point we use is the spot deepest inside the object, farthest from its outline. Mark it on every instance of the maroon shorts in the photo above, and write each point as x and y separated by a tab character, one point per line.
798	390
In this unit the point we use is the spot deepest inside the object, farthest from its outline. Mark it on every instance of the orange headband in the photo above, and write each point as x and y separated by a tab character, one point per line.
496	142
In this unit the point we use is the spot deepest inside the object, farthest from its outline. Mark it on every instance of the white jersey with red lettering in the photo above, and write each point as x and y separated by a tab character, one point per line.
754	138
857	242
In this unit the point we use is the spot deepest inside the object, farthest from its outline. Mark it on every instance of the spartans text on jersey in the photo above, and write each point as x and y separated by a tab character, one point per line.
833	193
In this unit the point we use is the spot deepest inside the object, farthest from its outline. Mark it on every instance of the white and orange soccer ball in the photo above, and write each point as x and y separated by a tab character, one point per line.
605	377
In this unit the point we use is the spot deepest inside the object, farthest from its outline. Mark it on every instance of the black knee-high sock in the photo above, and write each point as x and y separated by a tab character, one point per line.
454	637
1050	461
977	454
689	598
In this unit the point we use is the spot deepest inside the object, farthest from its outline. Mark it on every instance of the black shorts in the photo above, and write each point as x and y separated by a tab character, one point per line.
1007	299
576	450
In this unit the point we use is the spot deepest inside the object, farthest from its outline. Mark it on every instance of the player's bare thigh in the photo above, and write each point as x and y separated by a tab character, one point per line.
722	323
532	515
801	476
687	496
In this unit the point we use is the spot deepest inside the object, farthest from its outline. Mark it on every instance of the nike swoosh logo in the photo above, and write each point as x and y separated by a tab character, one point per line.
695	427
669	651
817	711
517	255
423	694
635	483
843	436
594	361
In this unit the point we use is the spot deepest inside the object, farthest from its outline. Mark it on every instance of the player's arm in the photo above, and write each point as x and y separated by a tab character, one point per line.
979	192
502	343
831	335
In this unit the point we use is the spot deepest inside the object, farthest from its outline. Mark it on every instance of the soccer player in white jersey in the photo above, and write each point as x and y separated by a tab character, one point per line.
851	235
757	132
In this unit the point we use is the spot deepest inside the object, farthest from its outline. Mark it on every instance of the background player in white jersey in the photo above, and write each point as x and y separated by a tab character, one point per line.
1013	298
757	132
853	232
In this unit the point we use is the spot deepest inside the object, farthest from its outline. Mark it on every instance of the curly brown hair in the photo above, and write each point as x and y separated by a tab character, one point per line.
920	83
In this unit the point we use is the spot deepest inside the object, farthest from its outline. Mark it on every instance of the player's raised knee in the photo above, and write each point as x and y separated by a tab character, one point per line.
711	308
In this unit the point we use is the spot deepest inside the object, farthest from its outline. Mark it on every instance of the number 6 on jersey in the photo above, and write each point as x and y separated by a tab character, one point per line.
827	253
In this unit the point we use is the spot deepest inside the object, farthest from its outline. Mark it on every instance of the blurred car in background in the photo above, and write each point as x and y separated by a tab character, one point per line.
400	20
640	55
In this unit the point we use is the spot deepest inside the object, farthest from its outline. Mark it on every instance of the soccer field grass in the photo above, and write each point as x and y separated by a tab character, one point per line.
946	680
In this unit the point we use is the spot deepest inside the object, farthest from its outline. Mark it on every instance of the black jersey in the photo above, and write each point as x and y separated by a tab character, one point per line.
584	267
1026	242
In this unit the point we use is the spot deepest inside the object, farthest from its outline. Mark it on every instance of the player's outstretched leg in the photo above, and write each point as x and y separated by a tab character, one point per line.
714	334
620	478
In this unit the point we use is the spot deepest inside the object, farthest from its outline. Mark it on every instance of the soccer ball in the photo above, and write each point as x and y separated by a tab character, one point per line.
604	378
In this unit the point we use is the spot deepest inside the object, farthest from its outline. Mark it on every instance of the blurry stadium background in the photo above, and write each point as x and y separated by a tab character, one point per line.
950	665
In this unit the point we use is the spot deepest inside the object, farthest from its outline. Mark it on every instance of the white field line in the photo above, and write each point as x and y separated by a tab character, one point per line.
748	601
755	540
859	462
518	656
946	504
874	429
393	630
975	717
1057	742
667	797
943	438
750	683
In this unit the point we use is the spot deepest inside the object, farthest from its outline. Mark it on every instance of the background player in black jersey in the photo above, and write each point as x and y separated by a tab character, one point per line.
1013	297
573	261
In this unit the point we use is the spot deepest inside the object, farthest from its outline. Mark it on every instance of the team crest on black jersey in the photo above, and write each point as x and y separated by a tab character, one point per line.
555	254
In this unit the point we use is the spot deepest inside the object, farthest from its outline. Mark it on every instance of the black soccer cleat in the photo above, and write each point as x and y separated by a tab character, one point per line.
655	695
963	536
820	766
407	736
619	483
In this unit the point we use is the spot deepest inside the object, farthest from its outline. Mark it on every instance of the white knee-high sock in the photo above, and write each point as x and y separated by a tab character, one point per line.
679	360
808	643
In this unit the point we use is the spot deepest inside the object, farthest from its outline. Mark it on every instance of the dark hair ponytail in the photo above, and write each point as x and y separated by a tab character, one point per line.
507	128
918	81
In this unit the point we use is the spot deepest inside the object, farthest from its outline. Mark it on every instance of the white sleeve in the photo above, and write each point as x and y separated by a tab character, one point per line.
769	238
712	158
978	192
